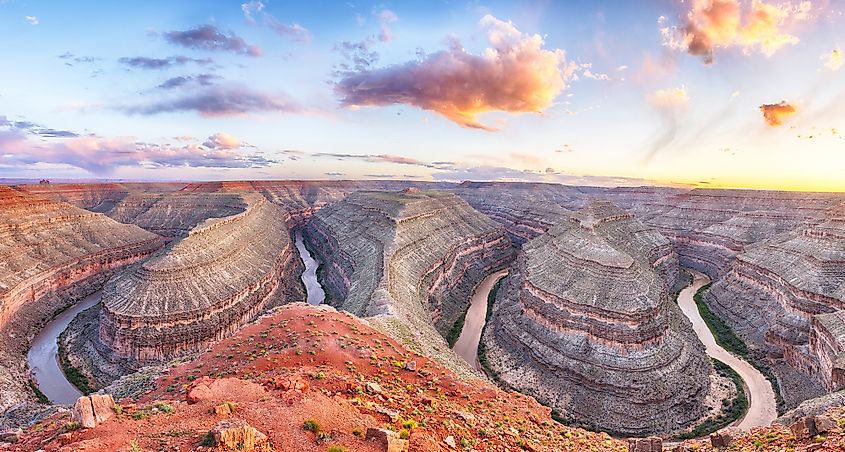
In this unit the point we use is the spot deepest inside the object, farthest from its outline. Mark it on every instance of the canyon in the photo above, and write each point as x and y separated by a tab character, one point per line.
584	321
585	324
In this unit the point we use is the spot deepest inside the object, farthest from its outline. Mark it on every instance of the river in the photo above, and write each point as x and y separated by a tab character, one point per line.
316	294
43	356
467	345
762	407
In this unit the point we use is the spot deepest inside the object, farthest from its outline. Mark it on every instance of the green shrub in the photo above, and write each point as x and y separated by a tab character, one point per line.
311	425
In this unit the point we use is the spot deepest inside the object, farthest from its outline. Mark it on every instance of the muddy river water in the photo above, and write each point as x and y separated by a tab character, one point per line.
467	345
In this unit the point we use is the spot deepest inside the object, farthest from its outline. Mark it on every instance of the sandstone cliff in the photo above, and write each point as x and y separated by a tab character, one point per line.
584	324
411	258
203	287
52	254
784	296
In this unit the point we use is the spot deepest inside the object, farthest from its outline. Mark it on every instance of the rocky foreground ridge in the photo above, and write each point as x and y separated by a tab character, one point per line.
585	324
409	260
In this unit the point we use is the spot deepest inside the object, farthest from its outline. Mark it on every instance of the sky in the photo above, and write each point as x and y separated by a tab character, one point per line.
706	93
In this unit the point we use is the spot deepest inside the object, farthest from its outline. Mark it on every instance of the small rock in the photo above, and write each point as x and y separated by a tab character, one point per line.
411	366
224	409
450	441
469	418
387	439
238	435
373	387
11	436
392	414
803	428
825	424
722	438
65	438
650	444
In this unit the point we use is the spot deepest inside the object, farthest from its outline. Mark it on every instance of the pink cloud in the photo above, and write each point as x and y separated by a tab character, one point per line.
515	75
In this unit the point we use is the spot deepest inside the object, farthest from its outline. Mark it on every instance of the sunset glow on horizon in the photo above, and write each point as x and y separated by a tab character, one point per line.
701	93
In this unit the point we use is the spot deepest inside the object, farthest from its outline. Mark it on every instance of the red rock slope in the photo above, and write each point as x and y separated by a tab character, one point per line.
305	363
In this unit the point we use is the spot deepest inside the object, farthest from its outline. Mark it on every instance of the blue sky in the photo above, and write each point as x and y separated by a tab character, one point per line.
606	93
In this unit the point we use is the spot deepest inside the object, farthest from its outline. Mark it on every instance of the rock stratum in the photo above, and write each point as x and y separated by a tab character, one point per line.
51	255
785	296
584	323
203	287
407	259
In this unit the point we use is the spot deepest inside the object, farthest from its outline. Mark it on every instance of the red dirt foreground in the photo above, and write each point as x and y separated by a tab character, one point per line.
312	379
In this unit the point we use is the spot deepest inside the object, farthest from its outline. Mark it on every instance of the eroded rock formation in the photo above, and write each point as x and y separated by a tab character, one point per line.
52	254
411	258
584	323
784	296
202	288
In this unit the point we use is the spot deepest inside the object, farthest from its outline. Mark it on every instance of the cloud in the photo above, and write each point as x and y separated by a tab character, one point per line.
180	81
358	54
833	60
514	75
670	104
385	17
381	158
776	114
293	31
215	100
715	24
222	140
32	20
670	99
31	128
101	156
71	58
162	63
208	37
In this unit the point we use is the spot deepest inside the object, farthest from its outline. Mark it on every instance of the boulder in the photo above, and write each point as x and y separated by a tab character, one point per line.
238	435
389	440
722	438
825	424
93	410
650	444
10	436
804	428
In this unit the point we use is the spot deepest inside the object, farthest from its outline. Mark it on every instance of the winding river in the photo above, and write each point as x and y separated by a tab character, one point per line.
762	407
43	356
467	345
316	294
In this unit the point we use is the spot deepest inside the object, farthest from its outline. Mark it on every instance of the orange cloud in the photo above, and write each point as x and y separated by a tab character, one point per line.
776	114
515	75
713	24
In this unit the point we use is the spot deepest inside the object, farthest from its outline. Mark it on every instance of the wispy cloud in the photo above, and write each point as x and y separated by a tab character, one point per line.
515	75
32	20
162	63
209	38
222	140
184	80
670	104
255	9
385	17
218	101
32	128
833	60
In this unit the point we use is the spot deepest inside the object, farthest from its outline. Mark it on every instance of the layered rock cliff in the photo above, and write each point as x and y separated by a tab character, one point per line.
782	295
584	323
203	287
407	259
52	254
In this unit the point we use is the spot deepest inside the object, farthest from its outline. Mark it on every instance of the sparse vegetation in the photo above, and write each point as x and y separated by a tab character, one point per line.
38	394
728	340
74	375
71	426
731	409
311	425
336	448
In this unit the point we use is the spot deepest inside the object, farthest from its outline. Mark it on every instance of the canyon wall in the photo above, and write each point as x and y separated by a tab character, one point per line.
52	254
782	295
407	260
584	323
203	287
